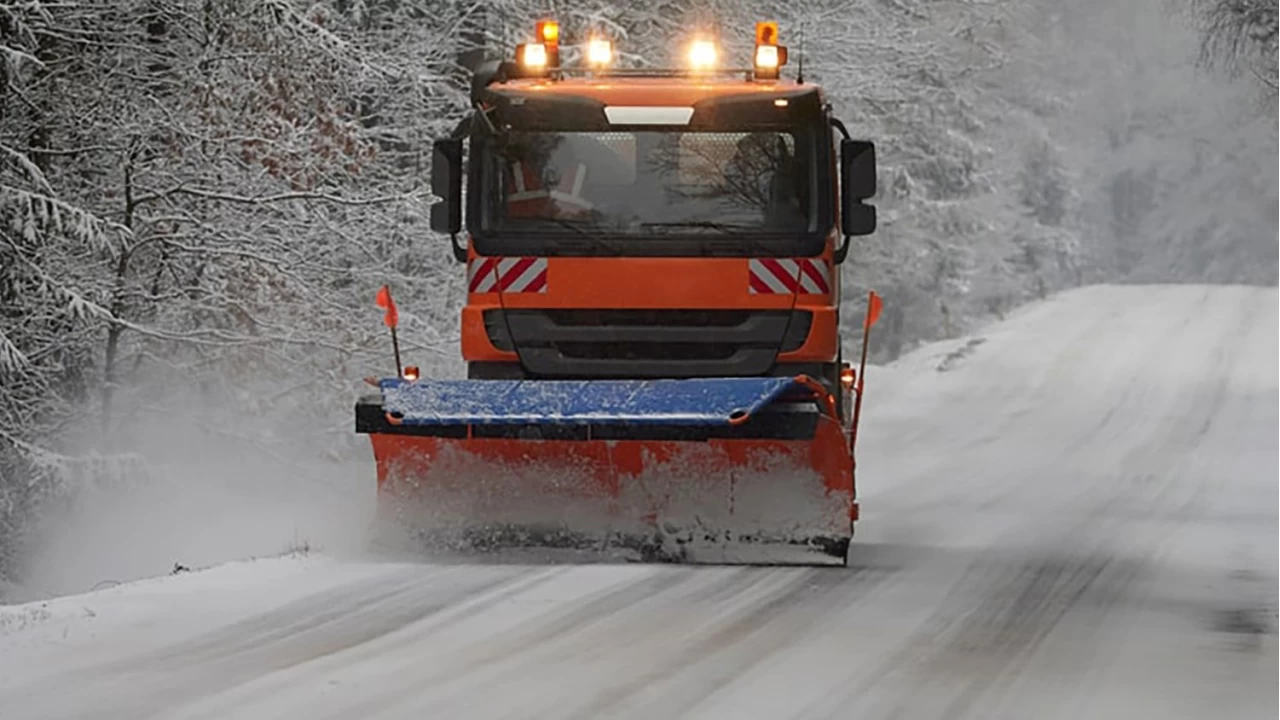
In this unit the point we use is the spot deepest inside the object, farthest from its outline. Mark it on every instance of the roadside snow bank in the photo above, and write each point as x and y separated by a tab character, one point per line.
144	614
120	603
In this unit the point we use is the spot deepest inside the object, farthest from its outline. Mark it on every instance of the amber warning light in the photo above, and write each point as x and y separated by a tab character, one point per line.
769	55
540	56
767	33
549	32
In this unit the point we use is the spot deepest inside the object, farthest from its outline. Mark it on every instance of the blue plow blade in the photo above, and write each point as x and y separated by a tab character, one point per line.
694	402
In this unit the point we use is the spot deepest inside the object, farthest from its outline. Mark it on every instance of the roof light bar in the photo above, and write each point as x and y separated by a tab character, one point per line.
541	58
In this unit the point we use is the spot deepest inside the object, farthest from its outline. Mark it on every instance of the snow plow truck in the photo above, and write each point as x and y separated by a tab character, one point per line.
654	365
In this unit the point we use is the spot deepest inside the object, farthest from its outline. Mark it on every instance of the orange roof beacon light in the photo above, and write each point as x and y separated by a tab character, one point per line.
767	33
769	55
548	33
539	57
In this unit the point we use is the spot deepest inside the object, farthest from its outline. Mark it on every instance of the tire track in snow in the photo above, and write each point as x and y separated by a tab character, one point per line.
745	640
986	648
295	633
407	634
542	632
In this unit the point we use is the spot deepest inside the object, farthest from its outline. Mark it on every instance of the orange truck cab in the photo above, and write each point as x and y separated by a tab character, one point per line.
642	224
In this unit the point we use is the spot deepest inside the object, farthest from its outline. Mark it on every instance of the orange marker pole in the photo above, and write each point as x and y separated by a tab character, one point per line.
392	319
874	305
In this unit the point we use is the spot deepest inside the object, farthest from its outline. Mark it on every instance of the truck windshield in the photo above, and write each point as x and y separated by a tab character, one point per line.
651	183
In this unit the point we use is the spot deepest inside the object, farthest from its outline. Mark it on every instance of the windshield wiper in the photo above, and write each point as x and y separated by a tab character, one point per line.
569	224
581	231
708	224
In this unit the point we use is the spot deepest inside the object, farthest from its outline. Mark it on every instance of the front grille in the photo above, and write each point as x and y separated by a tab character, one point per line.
648	318
648	343
647	351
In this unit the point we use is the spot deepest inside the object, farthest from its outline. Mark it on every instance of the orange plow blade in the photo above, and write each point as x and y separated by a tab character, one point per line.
733	470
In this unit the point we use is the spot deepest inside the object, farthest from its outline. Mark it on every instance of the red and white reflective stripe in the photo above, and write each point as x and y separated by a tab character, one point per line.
784	276
508	275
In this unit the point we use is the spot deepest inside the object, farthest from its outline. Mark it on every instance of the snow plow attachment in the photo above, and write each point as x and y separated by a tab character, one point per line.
720	470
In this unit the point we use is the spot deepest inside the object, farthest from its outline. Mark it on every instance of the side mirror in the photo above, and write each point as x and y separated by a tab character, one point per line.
446	182
857	183
858	169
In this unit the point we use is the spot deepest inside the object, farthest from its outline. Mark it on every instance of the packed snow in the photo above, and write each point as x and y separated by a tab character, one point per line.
1070	514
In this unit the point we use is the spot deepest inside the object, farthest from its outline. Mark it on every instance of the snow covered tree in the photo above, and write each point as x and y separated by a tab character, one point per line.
1241	36
195	197
1173	162
1044	191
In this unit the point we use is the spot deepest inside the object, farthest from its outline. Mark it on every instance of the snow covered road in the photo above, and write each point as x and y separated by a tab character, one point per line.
1071	514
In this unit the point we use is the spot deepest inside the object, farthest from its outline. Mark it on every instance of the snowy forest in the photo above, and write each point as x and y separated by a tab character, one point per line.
200	198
